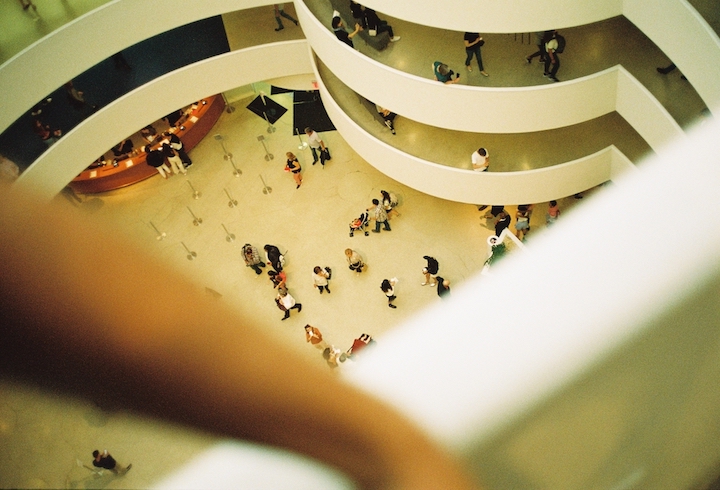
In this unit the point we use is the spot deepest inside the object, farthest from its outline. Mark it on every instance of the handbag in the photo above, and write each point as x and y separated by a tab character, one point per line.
372	32
482	42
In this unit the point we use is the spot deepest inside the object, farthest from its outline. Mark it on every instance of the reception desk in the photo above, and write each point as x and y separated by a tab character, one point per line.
201	118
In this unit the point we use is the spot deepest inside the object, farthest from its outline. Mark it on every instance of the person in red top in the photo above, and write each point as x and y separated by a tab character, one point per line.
313	335
359	344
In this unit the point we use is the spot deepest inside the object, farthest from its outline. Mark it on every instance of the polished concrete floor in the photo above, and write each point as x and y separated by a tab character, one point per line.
43	435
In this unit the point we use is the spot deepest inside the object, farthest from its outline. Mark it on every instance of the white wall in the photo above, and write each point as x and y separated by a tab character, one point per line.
65	53
604	380
503	110
462	185
682	34
77	149
498	16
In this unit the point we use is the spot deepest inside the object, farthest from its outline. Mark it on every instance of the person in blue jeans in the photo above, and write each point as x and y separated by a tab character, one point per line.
473	41
380	216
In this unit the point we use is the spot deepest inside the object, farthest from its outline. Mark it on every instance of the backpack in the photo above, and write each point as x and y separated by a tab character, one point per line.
561	43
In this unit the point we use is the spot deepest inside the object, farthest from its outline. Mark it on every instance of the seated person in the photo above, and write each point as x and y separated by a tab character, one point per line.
358	13
373	23
342	34
122	149
444	74
387	116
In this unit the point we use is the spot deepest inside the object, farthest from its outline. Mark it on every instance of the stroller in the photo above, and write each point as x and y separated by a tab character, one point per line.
359	224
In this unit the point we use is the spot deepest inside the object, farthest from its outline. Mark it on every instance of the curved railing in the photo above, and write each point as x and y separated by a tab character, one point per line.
74	151
512	109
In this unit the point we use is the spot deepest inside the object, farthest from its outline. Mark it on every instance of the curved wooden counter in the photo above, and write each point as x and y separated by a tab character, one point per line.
132	170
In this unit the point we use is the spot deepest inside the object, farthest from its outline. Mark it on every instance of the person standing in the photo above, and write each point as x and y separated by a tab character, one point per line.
106	461
286	302
444	74
177	145
388	287
522	221
552	61
354	260
480	160
430	270
553	213
156	159
315	142
501	222
443	287
280	11
293	166
274	257
342	34
380	216
174	159
314	337
252	258
473	41
320	278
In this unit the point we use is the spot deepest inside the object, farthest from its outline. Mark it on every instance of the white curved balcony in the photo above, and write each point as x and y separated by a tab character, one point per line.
70	155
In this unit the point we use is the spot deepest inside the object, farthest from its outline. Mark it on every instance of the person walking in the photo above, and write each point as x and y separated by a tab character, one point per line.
541	37
293	166
274	257
320	278
380	216
443	287
388	287
355	262
473	41
286	302
280	11
430	270
106	461
252	258
315	142
279	279
552	61
480	160
553	213
156	159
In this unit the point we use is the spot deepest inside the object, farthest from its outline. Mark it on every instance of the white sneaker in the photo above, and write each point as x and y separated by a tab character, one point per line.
395	39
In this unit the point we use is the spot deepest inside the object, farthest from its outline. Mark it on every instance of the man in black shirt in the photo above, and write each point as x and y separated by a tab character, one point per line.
342	34
104	460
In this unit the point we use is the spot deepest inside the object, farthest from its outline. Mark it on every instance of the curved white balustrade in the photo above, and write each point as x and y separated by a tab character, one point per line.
513	109
498	16
461	185
77	149
692	45
65	53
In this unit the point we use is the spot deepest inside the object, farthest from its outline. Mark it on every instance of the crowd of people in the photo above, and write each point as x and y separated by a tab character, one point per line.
382	209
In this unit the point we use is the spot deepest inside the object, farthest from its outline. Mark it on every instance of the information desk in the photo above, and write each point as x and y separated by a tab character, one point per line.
201	119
